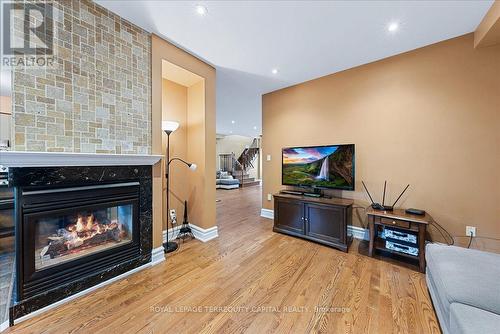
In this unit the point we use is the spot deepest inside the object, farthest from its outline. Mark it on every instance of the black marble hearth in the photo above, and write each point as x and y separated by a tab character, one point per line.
47	181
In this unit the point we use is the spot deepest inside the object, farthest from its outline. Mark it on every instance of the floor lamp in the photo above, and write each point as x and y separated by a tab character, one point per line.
168	127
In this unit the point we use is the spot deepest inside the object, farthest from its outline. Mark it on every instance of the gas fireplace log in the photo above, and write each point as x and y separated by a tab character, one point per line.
66	241
55	248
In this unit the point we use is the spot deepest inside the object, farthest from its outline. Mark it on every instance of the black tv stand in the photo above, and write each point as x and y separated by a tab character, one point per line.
316	219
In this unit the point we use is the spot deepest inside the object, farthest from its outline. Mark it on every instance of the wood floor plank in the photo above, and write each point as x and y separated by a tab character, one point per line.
252	280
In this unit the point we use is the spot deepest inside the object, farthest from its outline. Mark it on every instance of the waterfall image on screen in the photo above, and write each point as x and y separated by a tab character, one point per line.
319	166
323	173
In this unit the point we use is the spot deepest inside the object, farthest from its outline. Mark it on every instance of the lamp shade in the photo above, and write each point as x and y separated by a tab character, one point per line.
193	167
169	126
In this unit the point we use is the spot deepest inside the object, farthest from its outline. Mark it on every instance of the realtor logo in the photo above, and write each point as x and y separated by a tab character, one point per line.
28	33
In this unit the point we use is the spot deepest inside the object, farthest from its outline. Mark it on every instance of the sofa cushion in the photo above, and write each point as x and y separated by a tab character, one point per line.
467	319
465	276
441	305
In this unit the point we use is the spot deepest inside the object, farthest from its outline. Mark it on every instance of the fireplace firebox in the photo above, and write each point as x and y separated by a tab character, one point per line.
69	232
77	227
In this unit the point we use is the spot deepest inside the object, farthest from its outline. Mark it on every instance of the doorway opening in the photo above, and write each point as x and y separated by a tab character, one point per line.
238	173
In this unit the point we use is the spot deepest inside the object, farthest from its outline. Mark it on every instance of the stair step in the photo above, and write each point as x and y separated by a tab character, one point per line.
238	175
253	183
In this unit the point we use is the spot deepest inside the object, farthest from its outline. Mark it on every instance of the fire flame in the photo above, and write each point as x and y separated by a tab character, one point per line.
87	228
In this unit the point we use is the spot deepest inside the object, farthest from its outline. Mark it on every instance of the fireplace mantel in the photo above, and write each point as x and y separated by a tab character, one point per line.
64	159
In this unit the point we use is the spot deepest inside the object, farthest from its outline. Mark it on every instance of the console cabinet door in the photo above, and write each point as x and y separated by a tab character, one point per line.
289	215
325	223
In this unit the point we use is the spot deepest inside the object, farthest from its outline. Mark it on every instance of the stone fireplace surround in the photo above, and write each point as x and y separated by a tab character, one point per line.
38	170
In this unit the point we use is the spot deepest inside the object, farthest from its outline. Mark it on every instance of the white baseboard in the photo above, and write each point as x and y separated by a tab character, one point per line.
4	325
204	234
267	213
157	255
198	232
172	233
156	259
358	232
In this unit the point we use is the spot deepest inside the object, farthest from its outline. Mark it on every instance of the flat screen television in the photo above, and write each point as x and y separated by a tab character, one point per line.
319	166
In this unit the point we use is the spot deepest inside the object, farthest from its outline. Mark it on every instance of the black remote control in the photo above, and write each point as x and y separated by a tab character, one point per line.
415	211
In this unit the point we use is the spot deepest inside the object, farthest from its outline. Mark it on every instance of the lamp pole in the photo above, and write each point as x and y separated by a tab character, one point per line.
168	127
169	246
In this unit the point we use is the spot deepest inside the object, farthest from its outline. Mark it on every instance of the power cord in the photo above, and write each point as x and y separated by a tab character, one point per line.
441	229
470	240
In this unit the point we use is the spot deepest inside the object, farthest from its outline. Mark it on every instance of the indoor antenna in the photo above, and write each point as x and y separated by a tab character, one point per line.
383	207
390	208
376	206
383	196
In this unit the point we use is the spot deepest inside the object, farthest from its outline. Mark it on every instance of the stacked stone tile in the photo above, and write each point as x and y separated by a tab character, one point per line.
97	96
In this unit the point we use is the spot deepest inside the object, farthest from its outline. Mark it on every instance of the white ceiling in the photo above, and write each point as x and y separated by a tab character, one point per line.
245	40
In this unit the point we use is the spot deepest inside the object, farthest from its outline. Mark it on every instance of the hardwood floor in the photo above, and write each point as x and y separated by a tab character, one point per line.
255	281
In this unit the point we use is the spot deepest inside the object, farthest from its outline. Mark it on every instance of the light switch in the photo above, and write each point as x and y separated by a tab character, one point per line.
268	157
269	197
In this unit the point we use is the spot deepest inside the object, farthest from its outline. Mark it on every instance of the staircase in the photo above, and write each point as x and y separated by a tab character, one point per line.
239	167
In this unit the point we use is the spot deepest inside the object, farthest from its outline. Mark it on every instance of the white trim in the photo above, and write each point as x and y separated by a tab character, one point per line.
172	233
358	232
198	232
267	213
157	255
156	260
4	325
53	159
204	234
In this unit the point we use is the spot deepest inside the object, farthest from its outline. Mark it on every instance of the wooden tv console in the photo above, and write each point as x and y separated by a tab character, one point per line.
323	220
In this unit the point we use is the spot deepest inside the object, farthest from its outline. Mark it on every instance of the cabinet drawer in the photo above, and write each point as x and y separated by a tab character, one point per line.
395	222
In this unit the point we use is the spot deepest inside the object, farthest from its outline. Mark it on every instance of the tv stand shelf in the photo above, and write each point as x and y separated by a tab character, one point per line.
323	220
403	221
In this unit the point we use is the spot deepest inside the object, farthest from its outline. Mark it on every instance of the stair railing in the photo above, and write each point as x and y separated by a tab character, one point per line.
229	163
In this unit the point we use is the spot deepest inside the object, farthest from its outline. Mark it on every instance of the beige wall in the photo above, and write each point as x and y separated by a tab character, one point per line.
5	117
488	31
5	105
199	186
174	107
204	177
429	117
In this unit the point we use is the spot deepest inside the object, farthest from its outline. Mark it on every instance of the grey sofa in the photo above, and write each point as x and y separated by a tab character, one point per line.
224	180
464	285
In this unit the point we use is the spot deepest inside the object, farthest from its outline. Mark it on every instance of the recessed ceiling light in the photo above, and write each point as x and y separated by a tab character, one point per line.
230	131
274	71
255	128
232	122
201	10
393	27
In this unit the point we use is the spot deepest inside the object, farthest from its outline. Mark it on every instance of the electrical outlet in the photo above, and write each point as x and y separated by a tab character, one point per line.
269	197
268	157
469	230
